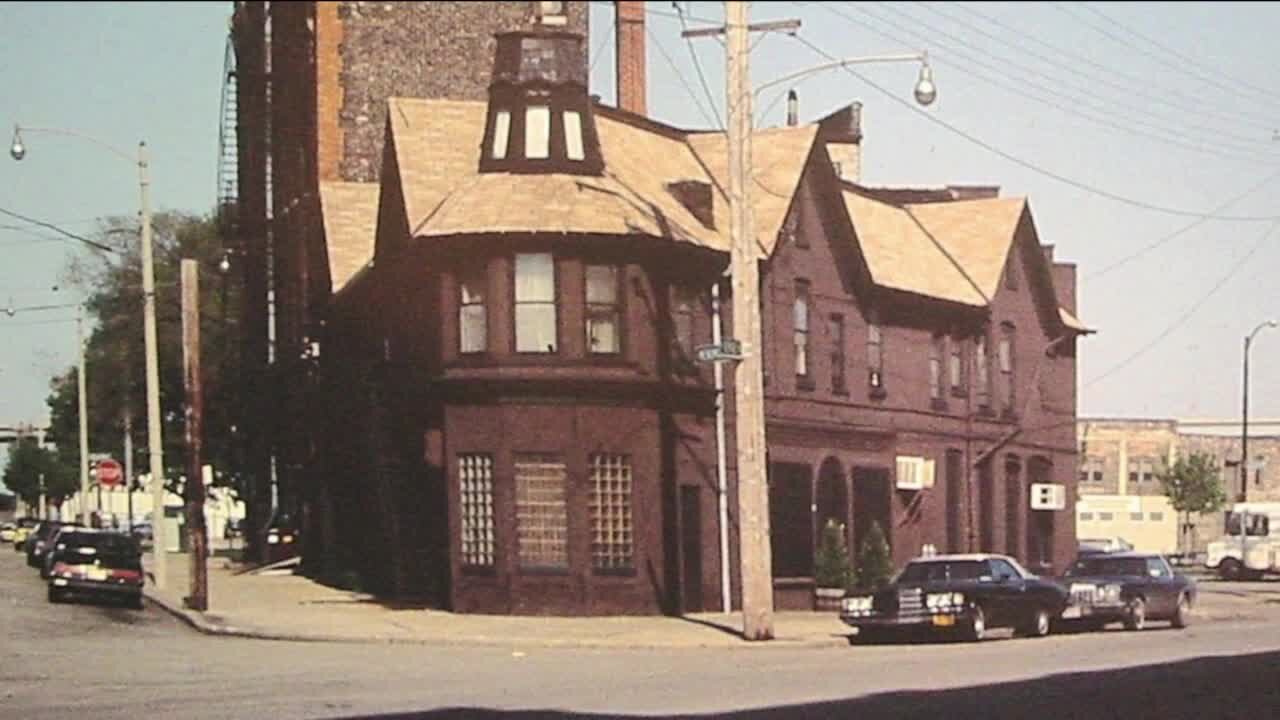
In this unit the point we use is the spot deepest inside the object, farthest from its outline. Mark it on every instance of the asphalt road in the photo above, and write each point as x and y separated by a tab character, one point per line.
86	661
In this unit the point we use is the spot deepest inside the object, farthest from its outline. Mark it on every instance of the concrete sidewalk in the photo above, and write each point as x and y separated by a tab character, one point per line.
292	607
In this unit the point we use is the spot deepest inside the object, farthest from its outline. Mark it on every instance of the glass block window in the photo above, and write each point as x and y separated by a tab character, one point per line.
542	512
612	542
475	476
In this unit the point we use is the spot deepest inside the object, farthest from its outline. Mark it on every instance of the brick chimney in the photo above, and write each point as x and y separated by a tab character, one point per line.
632	86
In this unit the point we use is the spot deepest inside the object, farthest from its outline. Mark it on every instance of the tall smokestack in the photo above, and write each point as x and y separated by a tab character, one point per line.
631	84
793	109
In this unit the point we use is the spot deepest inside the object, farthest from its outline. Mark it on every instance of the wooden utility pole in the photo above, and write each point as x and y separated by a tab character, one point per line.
753	491
198	538
755	552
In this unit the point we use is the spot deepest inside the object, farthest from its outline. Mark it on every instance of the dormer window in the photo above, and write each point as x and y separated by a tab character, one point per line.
540	117
573	135
537	132
501	134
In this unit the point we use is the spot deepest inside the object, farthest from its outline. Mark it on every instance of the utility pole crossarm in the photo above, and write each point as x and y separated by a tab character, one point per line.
787	26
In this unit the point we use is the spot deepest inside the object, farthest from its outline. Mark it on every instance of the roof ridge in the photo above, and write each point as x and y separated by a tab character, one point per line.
946	253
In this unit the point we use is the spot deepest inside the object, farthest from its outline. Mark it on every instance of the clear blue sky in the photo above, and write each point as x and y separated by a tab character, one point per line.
1187	129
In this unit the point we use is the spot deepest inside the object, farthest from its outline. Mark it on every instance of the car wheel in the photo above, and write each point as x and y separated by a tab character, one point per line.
1229	569
977	629
55	595
135	602
1135	617
1039	625
1179	619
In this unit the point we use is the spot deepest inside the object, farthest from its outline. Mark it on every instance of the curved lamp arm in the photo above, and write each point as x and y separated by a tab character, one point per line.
921	57
17	150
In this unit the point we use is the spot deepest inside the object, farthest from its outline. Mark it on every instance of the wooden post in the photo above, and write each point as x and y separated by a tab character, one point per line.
194	490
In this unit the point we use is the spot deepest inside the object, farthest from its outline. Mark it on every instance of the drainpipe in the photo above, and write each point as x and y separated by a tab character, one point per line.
722	485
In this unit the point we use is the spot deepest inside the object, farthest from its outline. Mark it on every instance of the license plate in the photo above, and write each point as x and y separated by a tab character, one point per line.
944	620
97	574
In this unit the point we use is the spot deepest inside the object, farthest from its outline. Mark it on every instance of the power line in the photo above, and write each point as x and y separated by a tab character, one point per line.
697	66
600	49
1134	202
55	228
1184	229
683	81
1076	104
1134	86
1183	60
1182	319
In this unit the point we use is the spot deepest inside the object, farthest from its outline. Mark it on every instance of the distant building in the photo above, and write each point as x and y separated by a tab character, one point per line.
1121	495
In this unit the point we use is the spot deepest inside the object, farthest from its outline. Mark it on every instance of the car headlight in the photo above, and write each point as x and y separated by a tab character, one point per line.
273	539
861	603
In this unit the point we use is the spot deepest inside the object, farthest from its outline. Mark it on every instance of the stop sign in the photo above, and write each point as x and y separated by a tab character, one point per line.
109	472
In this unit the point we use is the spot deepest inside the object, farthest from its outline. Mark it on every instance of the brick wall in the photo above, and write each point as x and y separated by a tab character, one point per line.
432	50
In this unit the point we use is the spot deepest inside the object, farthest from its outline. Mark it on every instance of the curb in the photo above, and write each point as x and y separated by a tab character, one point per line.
198	622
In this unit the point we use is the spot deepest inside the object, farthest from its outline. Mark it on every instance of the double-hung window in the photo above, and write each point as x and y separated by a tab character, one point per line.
837	354
936	347
535	303
800	328
1007	365
472	316
603	315
875	354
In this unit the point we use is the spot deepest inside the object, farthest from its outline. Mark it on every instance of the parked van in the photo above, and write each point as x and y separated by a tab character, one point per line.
1251	545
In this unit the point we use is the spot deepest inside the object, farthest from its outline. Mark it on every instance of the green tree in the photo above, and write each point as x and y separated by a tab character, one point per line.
875	566
30	466
833	566
1194	486
115	354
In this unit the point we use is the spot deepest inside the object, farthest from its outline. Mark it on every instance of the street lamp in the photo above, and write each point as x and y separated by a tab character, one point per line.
925	90
156	450
1244	414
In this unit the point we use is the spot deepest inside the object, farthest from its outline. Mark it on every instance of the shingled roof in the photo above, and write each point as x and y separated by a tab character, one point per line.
350	212
437	153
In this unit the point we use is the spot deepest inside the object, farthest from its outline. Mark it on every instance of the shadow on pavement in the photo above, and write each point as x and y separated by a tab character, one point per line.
1241	686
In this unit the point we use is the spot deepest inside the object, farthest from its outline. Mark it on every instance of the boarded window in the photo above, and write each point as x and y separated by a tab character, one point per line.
501	134
573	135
542	512
475	476
537	132
472	316
603	316
535	303
612	542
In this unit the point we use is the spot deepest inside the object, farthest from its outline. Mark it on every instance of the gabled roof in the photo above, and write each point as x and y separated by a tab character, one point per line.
350	213
437	144
976	234
902	255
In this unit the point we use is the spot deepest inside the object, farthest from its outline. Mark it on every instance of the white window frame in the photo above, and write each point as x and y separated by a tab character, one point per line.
535	304
573	147
501	134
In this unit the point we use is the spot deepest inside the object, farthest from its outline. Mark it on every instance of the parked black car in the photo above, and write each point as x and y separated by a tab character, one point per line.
38	542
965	593
96	563
1127	587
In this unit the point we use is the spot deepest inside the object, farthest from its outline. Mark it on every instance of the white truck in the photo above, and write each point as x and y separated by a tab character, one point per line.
1251	546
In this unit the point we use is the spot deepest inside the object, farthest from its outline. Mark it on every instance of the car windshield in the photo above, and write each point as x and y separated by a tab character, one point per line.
1103	565
940	570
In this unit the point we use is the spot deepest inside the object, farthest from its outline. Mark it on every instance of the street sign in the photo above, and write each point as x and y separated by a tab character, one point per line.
109	472
728	349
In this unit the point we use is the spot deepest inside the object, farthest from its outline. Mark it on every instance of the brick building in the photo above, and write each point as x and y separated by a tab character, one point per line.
498	405
311	84
1120	458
